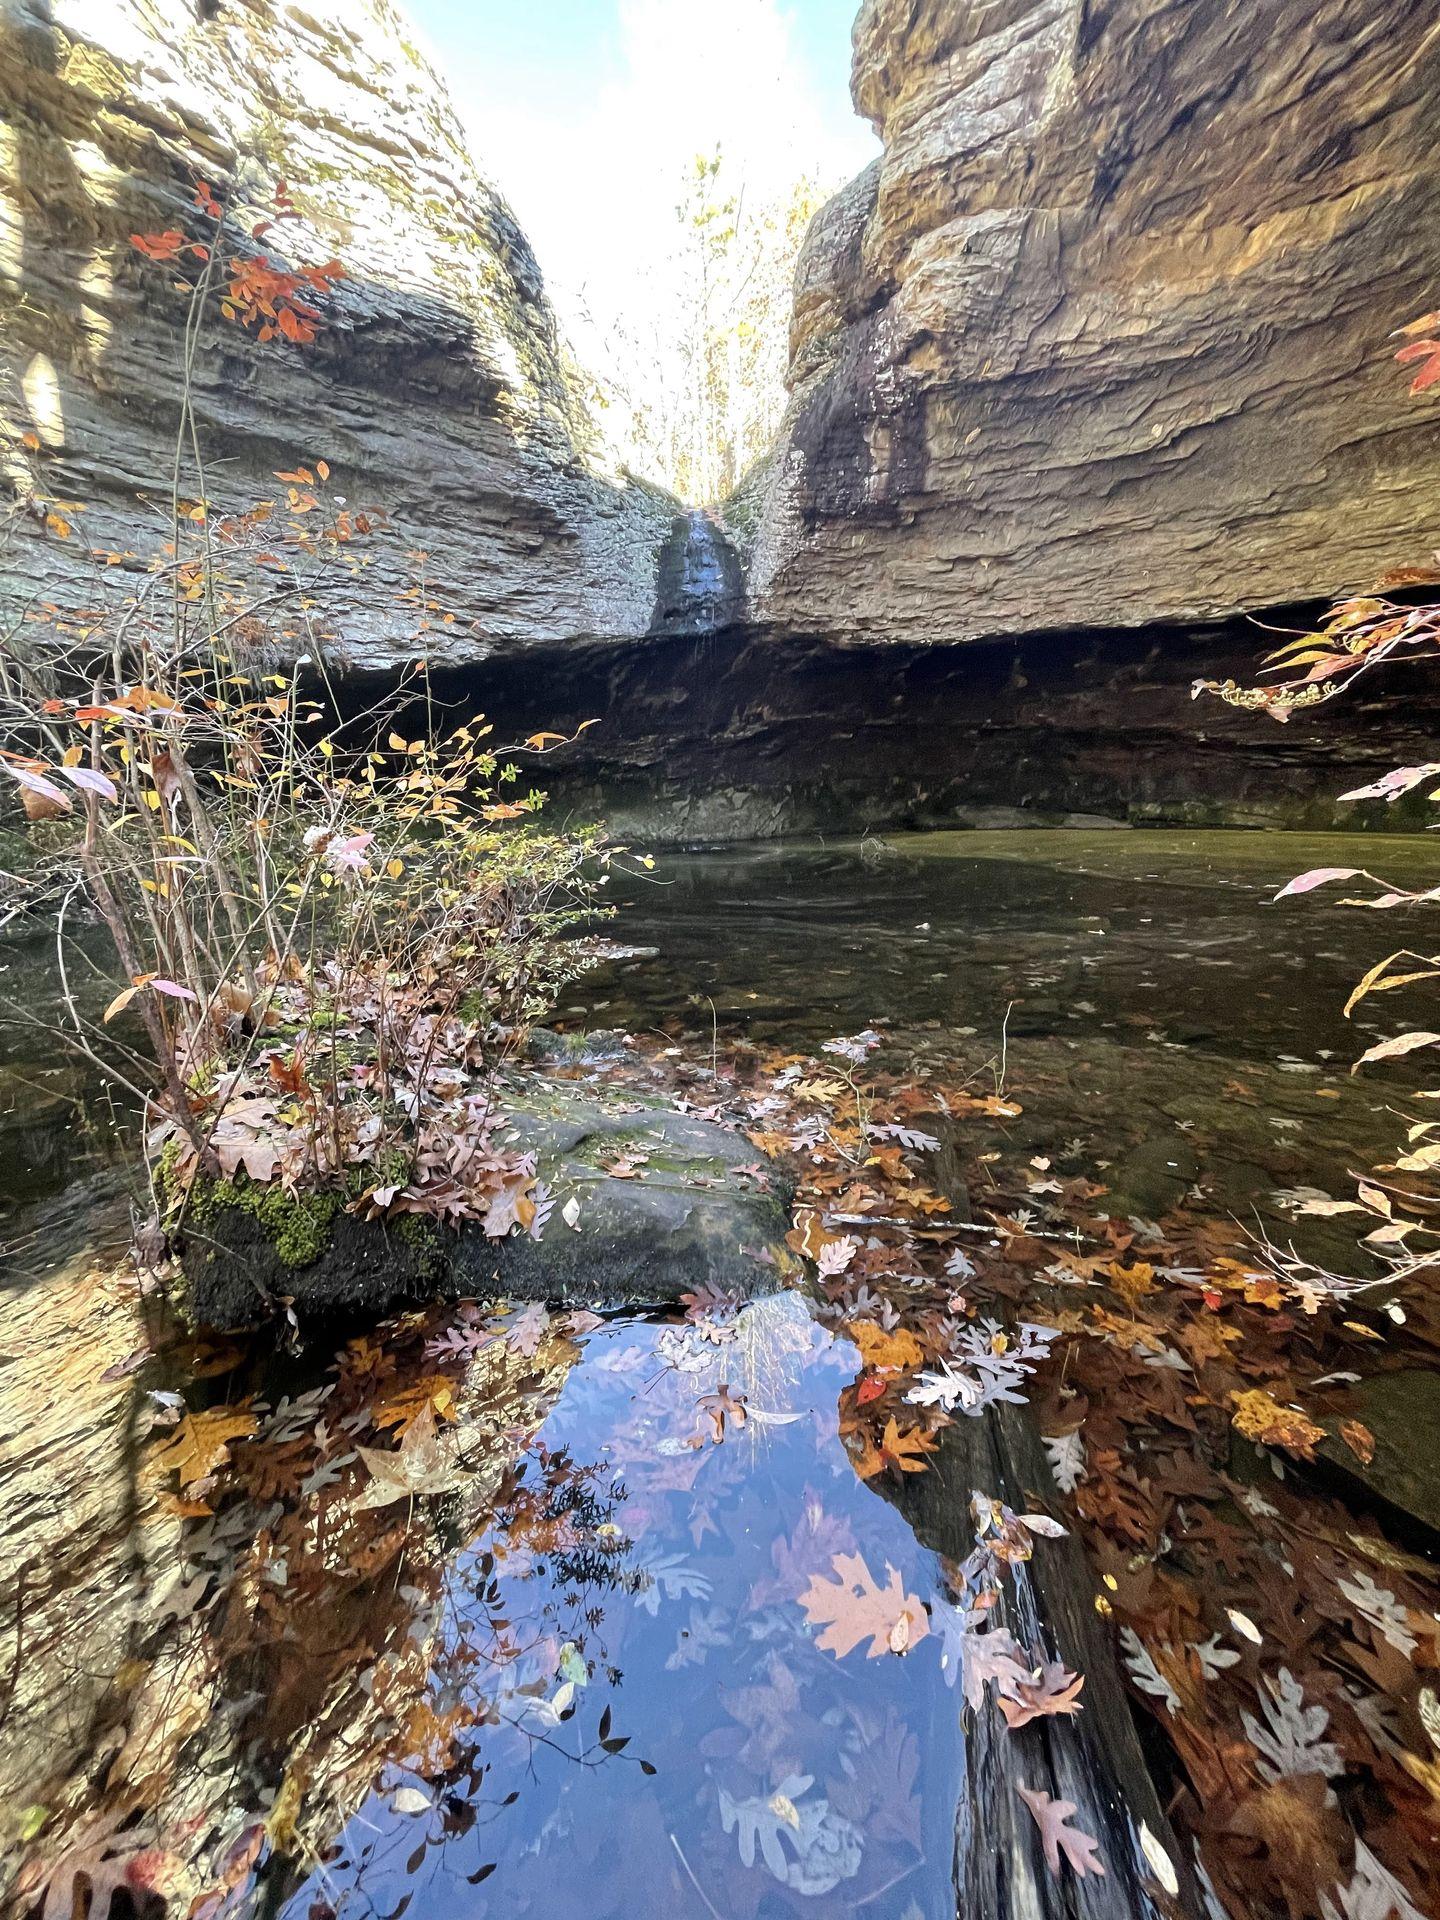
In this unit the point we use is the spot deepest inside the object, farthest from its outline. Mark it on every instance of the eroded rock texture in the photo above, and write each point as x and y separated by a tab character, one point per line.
437	389
1102	337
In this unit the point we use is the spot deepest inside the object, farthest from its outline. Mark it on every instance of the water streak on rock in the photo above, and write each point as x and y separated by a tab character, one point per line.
701	586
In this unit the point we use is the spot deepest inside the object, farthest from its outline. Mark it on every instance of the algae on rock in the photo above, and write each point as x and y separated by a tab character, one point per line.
695	1213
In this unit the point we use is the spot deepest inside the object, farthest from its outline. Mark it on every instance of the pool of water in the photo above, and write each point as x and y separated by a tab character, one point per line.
443	1707
1079	933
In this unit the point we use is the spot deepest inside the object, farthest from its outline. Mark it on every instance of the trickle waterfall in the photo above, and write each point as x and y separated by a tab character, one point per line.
700	586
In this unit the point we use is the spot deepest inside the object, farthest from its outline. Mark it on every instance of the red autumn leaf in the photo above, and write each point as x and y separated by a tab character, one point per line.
1428	353
159	246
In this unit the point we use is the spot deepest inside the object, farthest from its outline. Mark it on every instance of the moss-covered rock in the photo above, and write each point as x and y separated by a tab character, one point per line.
693	1214
297	1225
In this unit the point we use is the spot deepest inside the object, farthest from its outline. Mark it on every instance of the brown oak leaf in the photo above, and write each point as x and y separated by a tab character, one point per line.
904	1451
201	1442
1260	1417
1053	1690
852	1608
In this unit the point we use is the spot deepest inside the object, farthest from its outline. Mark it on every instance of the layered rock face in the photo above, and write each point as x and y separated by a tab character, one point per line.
1102	338
437	389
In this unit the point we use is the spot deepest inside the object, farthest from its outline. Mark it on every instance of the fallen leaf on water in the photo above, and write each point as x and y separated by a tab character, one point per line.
852	1607
1261	1418
1161	1863
899	1351
201	1442
1054	1689
1245	1626
1057	1836
904	1451
1359	1439
720	1406
418	1468
432	1394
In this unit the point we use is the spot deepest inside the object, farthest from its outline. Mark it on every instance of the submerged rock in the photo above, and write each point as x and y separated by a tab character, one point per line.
1402	1412
684	1210
1102	337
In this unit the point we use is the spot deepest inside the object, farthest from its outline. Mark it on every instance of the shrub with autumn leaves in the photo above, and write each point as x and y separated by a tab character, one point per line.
329	929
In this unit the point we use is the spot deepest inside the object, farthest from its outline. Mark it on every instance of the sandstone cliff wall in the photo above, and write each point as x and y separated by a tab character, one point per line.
1102	338
437	389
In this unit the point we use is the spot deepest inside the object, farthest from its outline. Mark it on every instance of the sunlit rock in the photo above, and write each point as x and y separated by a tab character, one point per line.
641	1204
438	389
1103	338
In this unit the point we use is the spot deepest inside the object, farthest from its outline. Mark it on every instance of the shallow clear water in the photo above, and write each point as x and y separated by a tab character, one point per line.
686	1629
606	1539
1085	932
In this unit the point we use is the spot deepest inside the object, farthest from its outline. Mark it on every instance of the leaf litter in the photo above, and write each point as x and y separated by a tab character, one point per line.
1275	1729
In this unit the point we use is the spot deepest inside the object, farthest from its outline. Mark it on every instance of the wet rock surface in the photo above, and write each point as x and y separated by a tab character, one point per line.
701	586
659	1204
1402	1412
1099	339
742	734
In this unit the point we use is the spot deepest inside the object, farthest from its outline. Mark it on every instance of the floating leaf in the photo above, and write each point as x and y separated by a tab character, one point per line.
1318	877
202	1441
826	1847
852	1608
1066	1454
1057	1836
419	1468
1402	1043
1261	1418
1053	1689
1161	1865
1289	1742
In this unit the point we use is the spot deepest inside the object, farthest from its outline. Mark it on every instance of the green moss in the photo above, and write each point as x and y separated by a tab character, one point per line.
297	1225
167	1173
424	1240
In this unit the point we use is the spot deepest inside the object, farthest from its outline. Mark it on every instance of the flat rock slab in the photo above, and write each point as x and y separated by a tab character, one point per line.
1402	1411
694	1213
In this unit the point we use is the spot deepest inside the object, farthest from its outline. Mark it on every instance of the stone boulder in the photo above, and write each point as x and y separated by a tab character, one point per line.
695	1212
1402	1412
1104	336
438	389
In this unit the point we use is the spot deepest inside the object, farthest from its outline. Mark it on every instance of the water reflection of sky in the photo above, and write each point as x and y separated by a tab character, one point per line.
673	1606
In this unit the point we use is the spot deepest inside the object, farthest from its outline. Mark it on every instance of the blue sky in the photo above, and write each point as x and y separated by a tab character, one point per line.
584	112
563	46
